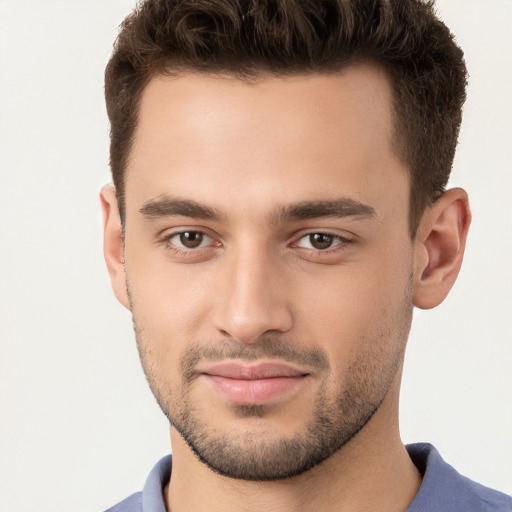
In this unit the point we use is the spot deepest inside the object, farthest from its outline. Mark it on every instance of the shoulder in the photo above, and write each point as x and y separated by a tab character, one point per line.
444	489
131	504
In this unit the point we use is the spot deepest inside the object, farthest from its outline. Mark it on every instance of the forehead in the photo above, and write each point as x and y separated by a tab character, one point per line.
270	140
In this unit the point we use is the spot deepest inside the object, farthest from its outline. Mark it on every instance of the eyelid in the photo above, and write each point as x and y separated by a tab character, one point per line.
166	236
336	240
344	240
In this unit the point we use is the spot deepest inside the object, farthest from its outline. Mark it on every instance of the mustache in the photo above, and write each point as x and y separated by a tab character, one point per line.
265	348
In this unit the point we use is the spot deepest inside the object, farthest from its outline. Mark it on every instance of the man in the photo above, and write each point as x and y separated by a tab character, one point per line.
279	209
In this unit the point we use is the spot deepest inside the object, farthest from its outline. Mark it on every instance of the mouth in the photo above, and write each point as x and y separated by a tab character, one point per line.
255	383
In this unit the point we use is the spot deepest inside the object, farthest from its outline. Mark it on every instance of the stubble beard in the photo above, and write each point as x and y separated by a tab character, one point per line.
251	456
336	418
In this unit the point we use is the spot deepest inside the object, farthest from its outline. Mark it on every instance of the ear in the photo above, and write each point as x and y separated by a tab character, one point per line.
113	250
439	247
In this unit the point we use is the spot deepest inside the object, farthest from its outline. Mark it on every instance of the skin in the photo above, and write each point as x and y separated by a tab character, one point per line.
248	152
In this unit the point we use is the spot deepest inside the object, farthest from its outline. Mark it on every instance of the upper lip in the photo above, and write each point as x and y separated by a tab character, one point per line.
252	371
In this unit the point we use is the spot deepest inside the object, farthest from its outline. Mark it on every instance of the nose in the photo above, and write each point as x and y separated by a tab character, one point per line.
252	299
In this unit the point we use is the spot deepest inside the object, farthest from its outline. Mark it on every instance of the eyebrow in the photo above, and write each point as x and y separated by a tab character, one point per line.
338	208
168	206
165	206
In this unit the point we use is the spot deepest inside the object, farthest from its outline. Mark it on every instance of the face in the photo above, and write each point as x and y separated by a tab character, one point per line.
268	263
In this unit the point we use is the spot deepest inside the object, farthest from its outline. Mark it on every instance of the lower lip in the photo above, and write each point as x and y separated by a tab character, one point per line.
256	391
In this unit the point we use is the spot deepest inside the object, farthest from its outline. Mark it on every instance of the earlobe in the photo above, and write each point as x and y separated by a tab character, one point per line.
439	247
113	250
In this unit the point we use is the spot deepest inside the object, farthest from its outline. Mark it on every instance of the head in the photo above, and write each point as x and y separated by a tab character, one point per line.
279	171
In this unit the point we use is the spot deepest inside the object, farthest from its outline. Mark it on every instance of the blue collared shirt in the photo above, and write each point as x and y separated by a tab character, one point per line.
442	489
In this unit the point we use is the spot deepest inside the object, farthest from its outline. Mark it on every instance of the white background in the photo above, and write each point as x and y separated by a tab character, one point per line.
79	430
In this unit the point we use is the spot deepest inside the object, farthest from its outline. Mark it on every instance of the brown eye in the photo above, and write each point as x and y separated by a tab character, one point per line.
321	240
191	239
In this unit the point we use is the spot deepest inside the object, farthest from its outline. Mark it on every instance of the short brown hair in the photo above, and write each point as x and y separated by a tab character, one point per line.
246	38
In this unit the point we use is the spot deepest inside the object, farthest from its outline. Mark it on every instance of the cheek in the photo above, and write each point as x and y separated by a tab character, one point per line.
365	306
168	299
168	308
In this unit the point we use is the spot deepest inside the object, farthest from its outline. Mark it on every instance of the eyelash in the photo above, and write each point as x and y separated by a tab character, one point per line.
182	250
341	245
340	242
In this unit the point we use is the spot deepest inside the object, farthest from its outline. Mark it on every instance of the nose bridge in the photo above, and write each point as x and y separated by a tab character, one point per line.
252	302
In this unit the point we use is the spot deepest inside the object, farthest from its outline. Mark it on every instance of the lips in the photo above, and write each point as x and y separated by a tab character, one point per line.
254	384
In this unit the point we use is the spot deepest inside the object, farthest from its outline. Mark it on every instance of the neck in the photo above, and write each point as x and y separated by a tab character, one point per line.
372	472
